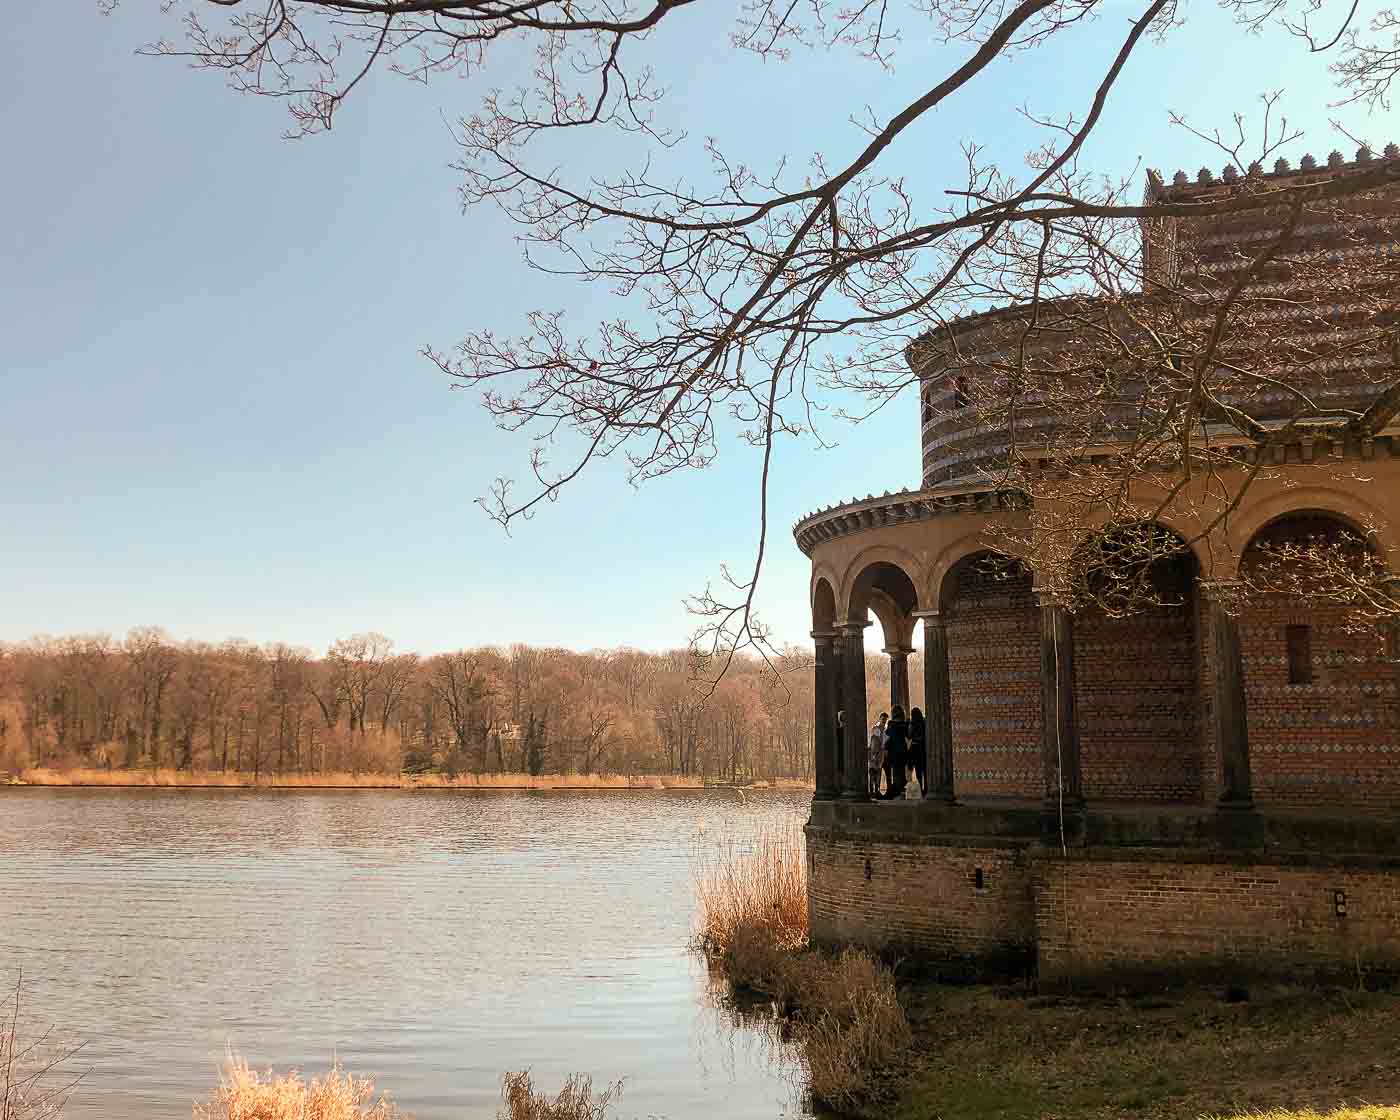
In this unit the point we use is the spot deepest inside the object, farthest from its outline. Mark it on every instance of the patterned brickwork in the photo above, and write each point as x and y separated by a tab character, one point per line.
923	897
1102	916
1334	740
994	666
1137	700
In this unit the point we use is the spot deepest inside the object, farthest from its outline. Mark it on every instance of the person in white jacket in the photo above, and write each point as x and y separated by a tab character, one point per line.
876	753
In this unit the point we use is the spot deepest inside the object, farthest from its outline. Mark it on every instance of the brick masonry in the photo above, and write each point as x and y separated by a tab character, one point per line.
1107	916
994	669
923	897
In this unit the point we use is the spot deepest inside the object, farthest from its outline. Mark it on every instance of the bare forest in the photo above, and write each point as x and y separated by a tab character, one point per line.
148	701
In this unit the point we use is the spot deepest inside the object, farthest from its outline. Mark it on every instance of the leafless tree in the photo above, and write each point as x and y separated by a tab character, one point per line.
744	293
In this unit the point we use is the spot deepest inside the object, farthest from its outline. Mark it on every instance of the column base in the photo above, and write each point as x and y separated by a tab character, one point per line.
1228	804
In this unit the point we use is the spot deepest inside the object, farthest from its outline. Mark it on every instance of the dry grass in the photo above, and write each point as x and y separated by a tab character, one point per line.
245	1095
753	900
844	1011
1364	1112
218	779
575	1101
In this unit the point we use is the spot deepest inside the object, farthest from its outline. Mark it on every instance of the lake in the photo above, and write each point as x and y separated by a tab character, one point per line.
432	940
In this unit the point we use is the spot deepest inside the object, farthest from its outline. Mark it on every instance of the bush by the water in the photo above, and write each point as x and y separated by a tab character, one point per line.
575	1101
844	1010
244	1094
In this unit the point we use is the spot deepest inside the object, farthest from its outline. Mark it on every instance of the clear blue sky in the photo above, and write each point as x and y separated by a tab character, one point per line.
215	416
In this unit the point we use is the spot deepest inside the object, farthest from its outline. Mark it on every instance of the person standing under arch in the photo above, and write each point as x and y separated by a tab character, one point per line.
918	748
897	752
875	753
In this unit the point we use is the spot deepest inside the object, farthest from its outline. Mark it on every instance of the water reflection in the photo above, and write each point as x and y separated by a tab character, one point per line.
431	939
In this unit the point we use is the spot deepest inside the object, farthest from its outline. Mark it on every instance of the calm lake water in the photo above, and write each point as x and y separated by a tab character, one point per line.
432	940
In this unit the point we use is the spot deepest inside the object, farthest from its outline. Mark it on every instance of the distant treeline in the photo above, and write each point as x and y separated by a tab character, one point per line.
150	701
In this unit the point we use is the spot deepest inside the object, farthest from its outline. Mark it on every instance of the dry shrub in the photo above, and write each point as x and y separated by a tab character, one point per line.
754	900
851	1028
35	1078
244	1095
575	1100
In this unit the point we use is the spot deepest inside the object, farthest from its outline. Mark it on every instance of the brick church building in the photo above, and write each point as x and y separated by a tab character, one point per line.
1209	787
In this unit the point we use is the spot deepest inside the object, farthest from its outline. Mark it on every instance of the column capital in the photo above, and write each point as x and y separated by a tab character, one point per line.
931	615
852	629
1052	597
898	651
824	635
1225	592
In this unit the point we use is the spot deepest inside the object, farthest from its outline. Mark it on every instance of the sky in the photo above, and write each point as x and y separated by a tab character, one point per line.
216	416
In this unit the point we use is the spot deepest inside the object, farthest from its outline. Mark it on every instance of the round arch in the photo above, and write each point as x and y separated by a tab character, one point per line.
952	555
1346	507
823	605
866	566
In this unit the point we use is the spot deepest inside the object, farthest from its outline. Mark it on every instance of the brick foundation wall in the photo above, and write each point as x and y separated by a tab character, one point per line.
994	667
922	897
1140	918
1102	917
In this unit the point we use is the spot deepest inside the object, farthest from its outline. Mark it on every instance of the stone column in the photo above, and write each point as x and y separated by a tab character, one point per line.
899	676
1231	717
852	642
824	721
1059	744
938	701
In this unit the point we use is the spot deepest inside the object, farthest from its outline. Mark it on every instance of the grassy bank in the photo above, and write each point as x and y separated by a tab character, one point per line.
1285	1054
228	779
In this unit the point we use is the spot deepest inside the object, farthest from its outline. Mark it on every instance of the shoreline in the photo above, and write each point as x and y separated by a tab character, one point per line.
45	778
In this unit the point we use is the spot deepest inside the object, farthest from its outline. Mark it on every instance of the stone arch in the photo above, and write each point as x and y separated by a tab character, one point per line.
971	544
885	581
1345	506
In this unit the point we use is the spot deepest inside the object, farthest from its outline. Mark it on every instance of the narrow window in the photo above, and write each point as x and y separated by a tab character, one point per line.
1298	639
928	410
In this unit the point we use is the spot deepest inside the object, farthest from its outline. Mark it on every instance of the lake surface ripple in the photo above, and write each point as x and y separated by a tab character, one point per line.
432	940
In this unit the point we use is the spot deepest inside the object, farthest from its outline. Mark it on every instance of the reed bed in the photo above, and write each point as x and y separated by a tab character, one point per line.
846	1020
229	779
244	1094
753	897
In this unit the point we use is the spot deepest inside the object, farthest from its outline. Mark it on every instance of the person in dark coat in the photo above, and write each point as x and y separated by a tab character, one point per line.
918	748
897	748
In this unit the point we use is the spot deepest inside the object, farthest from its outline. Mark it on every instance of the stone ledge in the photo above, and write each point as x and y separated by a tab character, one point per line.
1182	833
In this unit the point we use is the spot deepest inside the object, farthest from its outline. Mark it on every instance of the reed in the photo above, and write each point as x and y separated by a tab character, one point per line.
753	899
574	1101
244	1094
